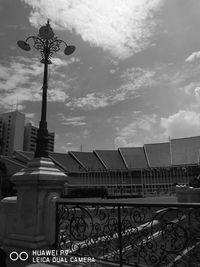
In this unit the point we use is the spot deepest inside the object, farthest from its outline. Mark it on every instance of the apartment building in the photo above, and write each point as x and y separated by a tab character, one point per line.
11	132
15	135
30	137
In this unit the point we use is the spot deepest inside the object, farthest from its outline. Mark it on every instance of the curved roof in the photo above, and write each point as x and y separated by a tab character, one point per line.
88	160
23	156
158	155
185	150
180	151
111	159
12	165
134	157
66	162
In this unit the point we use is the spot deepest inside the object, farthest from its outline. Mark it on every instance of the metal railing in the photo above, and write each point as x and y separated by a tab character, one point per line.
139	234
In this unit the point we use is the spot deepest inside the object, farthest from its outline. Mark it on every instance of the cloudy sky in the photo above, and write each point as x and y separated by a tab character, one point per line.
133	79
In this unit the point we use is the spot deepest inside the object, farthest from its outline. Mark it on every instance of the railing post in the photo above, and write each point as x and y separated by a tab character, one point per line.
37	185
120	235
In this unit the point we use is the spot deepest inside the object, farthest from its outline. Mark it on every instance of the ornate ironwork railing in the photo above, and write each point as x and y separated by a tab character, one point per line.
137	234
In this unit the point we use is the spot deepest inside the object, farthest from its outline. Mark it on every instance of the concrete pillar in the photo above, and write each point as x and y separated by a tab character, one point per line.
7	211
35	184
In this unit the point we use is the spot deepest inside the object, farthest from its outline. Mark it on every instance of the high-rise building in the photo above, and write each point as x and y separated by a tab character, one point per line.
15	136
11	132
30	135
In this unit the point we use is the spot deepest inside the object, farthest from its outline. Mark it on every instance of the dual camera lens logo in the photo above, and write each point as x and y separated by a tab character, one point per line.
14	256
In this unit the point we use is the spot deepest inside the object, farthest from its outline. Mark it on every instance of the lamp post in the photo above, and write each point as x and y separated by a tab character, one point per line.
47	44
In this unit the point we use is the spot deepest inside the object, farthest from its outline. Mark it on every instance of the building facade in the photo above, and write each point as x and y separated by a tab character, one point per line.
11	132
130	171
15	135
30	137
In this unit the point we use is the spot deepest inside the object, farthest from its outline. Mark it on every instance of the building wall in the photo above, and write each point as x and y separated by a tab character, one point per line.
18	131
136	182
30	137
51	141
12	128
15	136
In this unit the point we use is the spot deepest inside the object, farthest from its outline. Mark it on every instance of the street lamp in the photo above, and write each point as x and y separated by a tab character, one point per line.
47	44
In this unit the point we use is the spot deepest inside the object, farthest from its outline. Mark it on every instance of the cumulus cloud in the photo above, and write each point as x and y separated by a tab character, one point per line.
132	80
30	115
190	88
150	128
18	81
21	80
17	71
194	56
73	121
57	62
197	93
122	27
92	101
143	129
89	102
57	95
184	123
